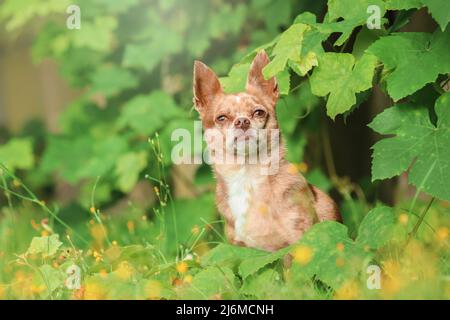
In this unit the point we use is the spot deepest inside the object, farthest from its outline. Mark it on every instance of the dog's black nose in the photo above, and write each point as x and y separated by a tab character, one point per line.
242	123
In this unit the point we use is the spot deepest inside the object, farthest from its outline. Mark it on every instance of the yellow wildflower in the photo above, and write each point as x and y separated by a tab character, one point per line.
153	289
182	267
302	254
348	291
403	218
442	233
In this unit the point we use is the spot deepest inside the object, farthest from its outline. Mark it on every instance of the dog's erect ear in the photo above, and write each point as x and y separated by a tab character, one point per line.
206	86
256	84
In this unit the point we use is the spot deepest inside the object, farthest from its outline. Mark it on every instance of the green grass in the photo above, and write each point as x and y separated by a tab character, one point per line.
152	255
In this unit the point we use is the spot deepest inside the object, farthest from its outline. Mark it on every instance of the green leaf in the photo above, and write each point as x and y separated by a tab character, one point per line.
334	257
128	168
417	145
376	228
18	13
97	35
288	48
17	153
253	265
403	4
340	77
96	162
440	10
47	246
353	12
211	282
236	79
163	42
51	279
317	178
262	285
311	49
148	113
403	52
229	255
111	80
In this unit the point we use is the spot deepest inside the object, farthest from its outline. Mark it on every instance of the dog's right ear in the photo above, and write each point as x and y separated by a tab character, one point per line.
206	86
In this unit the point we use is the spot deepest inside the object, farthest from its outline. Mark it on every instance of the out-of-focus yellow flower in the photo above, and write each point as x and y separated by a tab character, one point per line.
94	291
2	291
98	233
44	233
36	289
103	273
92	210
403	219
153	289
114	243
130	226
182	267
124	271
392	280
35	225
195	230
302	254
340	247
302	167
292	169
348	291
187	278
442	233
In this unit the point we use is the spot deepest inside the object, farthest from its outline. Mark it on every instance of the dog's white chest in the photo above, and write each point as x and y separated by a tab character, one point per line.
240	188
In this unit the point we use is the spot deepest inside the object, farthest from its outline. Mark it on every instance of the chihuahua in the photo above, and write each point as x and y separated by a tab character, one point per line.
266	203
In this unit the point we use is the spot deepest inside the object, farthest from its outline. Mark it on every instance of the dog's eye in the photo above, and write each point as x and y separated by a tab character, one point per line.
259	113
221	118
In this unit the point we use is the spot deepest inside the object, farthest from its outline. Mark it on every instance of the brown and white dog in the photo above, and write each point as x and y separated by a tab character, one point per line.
263	208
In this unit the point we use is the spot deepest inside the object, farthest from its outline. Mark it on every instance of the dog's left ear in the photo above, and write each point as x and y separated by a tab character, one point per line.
257	85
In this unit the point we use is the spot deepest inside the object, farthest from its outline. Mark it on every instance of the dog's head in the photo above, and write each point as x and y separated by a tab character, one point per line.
240	117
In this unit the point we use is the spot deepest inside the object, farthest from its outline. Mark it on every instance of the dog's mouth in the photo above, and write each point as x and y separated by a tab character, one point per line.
244	138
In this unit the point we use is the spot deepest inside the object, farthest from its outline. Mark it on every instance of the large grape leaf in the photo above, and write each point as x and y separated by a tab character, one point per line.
97	35
341	77
211	282
237	79
413	52
47	246
111	80
16	13
333	256
17	154
147	55
417	144
288	48
402	4
353	12
148	113
128	168
376	228
440	10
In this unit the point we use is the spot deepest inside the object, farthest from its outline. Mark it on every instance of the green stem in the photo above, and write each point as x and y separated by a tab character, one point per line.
419	222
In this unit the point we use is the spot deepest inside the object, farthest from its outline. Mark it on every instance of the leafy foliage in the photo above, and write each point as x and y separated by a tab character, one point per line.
132	64
416	140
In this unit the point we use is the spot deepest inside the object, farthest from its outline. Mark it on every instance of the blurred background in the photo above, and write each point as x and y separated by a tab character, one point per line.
86	114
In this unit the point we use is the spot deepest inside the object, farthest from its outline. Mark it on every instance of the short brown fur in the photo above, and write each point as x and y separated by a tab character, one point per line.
279	207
